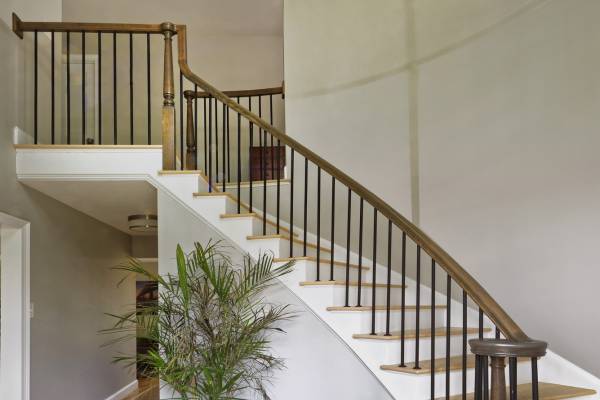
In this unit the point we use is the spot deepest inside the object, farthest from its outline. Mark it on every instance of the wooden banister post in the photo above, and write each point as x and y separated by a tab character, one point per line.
168	111
190	158
498	390
498	350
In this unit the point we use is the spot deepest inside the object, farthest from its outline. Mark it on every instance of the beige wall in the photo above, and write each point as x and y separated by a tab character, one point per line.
497	103
233	44
71	283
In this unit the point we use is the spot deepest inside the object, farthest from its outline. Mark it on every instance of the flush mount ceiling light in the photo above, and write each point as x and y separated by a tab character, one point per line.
143	223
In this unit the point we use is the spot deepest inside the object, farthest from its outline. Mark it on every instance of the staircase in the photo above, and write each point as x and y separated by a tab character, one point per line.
415	317
391	356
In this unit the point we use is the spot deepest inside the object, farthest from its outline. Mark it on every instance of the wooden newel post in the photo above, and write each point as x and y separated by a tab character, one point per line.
498	350
190	158
498	378
168	111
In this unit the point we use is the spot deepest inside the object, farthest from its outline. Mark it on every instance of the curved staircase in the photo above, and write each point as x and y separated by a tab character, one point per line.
406	308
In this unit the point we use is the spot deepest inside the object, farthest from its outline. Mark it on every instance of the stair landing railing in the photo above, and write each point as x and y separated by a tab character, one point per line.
311	205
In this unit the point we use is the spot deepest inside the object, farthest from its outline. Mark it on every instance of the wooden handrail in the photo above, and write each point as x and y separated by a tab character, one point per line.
237	93
479	295
19	27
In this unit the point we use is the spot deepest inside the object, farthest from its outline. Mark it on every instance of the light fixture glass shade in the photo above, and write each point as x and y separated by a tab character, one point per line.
143	223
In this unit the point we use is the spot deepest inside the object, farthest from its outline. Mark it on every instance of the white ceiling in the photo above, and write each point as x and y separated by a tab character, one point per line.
107	201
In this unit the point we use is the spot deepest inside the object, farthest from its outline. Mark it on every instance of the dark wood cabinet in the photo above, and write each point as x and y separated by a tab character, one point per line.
268	156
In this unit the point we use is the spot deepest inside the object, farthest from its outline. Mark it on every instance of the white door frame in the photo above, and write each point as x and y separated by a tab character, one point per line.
14	325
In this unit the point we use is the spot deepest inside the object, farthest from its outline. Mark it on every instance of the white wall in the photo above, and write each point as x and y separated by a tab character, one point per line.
345	95
308	345
509	168
492	108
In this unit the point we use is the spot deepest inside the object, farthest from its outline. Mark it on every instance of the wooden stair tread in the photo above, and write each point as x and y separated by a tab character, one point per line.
548	391
440	365
280	236
241	215
412	333
324	261
343	283
210	194
255	183
382	308
180	172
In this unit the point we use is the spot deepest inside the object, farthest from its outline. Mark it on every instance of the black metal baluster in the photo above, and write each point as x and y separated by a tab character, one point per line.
497	333
35	87
464	346
486	392
68	87
239	158
223	128
210	102
52	90
205	131
99	87
319	224
478	376
262	137
331	255
291	202
403	302
131	140
228	145
480	323
216	144
271	122
306	205
360	245
432	358
264	174
448	325
279	184
150	96
196	127
115	137
374	272
418	308
484	365
347	294
535	393
181	123
389	280
83	88
250	171
512	377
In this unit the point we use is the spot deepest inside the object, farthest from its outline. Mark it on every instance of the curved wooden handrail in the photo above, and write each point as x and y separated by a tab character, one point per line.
479	295
237	93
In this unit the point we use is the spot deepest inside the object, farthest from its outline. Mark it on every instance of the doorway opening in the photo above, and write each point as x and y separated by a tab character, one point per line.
14	308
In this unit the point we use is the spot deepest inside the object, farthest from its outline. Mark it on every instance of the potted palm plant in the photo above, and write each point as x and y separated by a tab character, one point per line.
212	325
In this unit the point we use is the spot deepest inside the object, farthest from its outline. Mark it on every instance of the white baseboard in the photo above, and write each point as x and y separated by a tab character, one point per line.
124	391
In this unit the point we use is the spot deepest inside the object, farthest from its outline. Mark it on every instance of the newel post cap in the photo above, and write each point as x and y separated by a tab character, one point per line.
168	28
508	348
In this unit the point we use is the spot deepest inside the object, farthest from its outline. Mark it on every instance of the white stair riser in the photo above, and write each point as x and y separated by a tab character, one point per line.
388	351
339	295
361	320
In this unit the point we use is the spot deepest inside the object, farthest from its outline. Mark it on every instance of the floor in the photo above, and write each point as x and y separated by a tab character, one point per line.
147	390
